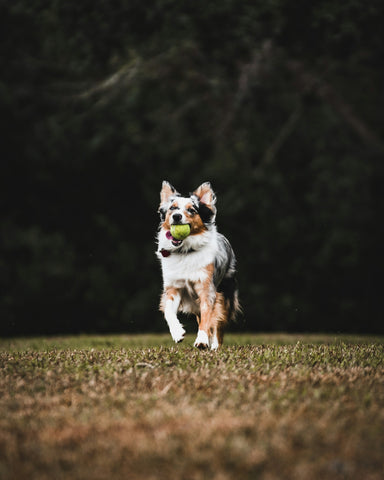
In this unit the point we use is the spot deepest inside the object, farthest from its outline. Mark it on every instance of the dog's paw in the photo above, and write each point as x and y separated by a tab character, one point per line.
214	343
178	333
202	341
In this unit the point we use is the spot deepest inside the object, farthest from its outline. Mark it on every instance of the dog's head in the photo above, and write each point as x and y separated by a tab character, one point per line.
198	210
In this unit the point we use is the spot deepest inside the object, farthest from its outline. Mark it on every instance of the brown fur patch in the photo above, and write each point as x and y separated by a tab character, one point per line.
197	225
194	220
167	223
168	294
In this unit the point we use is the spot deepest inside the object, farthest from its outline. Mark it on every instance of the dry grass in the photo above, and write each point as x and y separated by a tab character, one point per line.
264	407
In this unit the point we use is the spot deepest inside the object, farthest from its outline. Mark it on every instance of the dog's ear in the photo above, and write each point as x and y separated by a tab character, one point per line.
207	199
205	194
166	192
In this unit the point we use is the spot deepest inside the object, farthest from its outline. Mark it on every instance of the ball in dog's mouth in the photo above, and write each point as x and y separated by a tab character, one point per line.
180	231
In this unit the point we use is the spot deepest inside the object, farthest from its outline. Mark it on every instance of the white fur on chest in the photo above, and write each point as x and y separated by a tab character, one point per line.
179	268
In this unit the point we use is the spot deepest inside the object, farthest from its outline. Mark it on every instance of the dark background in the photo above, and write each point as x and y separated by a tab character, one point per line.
278	103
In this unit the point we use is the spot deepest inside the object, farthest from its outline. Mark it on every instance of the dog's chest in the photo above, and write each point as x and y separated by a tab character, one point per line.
181	270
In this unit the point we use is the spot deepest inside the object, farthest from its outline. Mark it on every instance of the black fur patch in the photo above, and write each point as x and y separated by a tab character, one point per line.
206	214
162	212
225	275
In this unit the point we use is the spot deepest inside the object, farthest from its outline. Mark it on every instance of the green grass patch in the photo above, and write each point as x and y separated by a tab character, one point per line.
164	340
264	407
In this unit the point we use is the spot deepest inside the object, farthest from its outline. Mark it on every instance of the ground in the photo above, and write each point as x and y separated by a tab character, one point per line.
138	407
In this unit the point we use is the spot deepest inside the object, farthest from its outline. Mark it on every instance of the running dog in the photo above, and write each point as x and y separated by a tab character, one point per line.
198	271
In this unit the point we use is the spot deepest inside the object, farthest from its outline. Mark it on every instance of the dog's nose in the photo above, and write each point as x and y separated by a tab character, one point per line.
177	217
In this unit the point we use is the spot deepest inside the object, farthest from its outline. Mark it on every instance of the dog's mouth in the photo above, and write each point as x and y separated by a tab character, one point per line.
175	243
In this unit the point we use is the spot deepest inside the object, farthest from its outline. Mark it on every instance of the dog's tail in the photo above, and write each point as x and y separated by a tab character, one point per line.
228	287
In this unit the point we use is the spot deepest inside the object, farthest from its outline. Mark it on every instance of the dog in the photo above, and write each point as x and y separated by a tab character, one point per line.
199	272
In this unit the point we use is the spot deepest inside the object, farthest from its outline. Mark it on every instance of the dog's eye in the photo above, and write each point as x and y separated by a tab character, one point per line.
172	207
192	211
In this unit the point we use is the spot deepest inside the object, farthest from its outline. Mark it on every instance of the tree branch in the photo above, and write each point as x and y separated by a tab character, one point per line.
311	82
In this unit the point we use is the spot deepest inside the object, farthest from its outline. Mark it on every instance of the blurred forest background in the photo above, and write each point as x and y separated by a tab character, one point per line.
278	103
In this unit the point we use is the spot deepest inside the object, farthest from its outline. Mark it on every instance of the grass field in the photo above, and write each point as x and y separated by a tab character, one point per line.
137	407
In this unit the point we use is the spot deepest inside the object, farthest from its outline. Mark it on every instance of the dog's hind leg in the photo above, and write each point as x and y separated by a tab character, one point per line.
215	339
169	305
220	315
218	336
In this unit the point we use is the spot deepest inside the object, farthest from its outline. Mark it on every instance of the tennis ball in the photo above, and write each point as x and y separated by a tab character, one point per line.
180	231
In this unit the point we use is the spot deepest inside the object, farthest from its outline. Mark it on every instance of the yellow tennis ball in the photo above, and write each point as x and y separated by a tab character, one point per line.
180	231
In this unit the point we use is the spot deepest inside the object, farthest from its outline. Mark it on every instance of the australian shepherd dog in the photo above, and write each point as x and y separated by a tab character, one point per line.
198	271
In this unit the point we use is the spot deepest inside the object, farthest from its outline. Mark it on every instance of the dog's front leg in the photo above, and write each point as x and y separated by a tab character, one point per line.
202	339
213	318
206	293
170	305
207	325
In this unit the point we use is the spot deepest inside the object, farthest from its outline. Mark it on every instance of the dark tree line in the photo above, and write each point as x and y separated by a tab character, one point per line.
278	104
